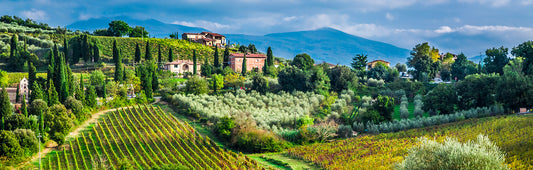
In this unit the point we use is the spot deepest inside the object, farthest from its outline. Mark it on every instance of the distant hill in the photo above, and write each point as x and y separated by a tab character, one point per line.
154	27
325	44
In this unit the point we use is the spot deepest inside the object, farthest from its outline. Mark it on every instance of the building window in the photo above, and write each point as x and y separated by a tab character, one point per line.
256	60
175	66
238	59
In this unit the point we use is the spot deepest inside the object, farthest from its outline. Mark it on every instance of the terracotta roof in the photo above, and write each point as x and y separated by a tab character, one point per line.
241	55
213	34
181	62
193	33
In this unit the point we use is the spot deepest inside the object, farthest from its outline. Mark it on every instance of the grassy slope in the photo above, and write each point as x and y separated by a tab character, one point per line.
512	134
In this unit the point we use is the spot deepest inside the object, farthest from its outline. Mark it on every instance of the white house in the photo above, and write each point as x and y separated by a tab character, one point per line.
182	66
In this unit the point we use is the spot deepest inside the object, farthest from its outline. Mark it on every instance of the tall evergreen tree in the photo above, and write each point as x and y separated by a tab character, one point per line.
118	66
70	80
32	76
137	53
17	97
155	81
13	46
146	80
226	58
170	55
159	56
24	108
52	95
85	51
65	50
56	51
216	63
90	100
62	80
244	67
148	54
51	67
265	68
80	94
96	53
194	62
270	57
36	93
104	90
5	105
115	52
124	73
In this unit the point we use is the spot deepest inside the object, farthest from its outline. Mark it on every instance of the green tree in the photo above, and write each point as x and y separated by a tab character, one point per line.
525	50
196	85
216	62
17	96
59	121
244	66
359	62
5	105
24	107
442	99
252	49
477	90
148	53
243	49
420	60
159	56
460	67
384	105
32	76
260	84
226	57
51	67
64	91
146	79
224	127
118	28
217	82
13	46
36	93
303	61
10	146
96	53
270	57
155	81
496	59
90	97
138	31
71	81
80	91
53	97
4	78
321	81
104	93
265	68
137	53
37	107
170	55
341	78
292	78
65	50
194	62
118	64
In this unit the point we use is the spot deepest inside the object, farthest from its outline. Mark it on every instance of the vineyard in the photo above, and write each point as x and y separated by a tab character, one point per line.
512	134
148	137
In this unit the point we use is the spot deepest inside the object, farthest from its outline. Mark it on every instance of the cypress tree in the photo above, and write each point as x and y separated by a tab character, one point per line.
170	55
5	105
159	56
137	53
155	81
51	65
124	73
105	90
214	84
36	93
17	98
52	95
146	80
32	76
90	100
265	68
13	46
148	54
216	63
24	108
270	57
118	66
80	95
244	69
63	79
70	80
226	57
56	51
115	52
96	53
194	62
65	50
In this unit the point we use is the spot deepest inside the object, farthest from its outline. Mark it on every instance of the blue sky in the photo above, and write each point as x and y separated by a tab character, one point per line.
468	26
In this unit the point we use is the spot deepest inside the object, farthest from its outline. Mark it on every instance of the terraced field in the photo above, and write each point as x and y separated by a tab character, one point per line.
148	137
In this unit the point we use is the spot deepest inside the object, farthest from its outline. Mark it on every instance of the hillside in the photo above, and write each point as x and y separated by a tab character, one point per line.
325	44
156	28
512	134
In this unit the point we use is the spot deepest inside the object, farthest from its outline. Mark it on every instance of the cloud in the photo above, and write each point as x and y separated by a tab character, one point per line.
444	29
35	14
389	16
527	2
494	3
288	19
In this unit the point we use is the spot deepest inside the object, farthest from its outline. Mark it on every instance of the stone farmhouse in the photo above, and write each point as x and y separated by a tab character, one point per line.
205	38
23	90
252	61
181	67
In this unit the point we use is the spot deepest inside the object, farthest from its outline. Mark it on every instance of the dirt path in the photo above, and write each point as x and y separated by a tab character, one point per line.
77	131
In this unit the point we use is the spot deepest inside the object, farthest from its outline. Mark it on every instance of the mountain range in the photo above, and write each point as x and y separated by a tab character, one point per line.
323	45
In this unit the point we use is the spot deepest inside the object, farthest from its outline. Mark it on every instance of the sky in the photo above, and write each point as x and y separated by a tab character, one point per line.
469	26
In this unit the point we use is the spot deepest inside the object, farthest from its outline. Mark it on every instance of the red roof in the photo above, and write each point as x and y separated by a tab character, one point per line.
241	55
213	34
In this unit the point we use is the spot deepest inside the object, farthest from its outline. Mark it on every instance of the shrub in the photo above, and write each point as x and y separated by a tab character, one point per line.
76	107
15	121
9	146
345	131
375	83
27	140
358	127
260	84
196	85
37	107
256	140
479	154
224	127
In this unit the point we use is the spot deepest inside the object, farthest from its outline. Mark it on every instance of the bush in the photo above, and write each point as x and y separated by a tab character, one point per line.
224	127
16	121
196	85
479	154
9	146
375	83
27	140
76	107
345	131
37	107
255	140
358	127
260	84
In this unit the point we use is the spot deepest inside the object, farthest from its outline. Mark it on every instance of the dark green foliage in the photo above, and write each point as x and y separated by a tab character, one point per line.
321	82
17	97
65	50
24	107
420	60
243	49
37	107
303	61
32	76
76	108
118	63
27	140
293	78
196	85
71	81
13	46
216	62
147	53
36	93
59	122
252	49
170	55
138	31
244	66
53	97
194	62
137	53
477	91
90	97
51	65
270	57
254	141
515	91
118	28
80	91
260	84
159	56
266	70
442	98
461	67
224	127
5	105
146	78
379	72
496	60
525	50
9	146
341	78
96	53
206	70
63	79
15	121
155	81
359	62
384	105
226	57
